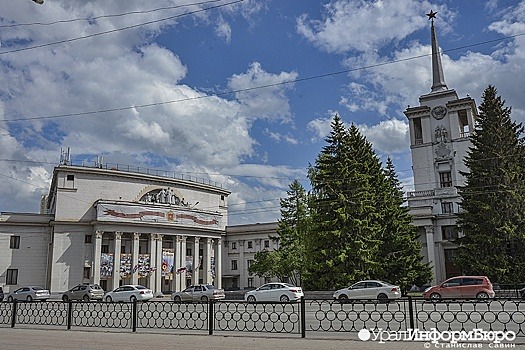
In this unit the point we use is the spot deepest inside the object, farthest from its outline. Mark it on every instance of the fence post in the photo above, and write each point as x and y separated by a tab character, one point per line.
211	316
411	312
13	316
134	315
303	318
69	314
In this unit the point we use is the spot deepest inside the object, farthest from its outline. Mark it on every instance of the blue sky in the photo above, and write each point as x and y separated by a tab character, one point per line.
239	92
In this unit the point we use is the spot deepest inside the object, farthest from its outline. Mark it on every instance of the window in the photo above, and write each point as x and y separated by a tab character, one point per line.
446	207
250	282
445	179
449	232
11	277
250	262
70	177
234	245
87	273
122	249
234	264
464	130
88	238
418	131
188	251
104	249
250	244
267	244
14	242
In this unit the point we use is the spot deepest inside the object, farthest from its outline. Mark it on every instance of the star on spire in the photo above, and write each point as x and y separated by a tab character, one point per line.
431	15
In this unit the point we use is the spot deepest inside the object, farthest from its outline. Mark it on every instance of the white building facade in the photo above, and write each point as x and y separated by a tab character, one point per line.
440	130
116	226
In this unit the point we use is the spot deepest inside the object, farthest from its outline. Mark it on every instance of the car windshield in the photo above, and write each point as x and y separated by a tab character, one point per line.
209	286
37	288
289	285
96	286
140	287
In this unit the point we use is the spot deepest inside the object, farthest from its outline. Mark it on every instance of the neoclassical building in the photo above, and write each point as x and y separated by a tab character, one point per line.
440	130
114	226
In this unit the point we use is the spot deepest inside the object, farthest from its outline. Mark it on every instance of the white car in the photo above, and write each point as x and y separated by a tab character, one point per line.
370	289
29	294
129	293
283	292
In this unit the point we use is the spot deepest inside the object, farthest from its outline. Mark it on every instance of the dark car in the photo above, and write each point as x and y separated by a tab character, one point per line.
84	292
1	294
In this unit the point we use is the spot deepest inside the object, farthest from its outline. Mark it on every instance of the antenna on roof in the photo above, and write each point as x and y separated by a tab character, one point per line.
65	156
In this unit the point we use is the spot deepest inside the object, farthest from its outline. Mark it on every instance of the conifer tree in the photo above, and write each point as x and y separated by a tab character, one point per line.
493	199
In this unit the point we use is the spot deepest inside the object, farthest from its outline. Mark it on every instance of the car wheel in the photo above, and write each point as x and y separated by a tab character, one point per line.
284	299
177	299
343	298
65	299
132	298
204	298
109	299
9	298
29	298
435	296
382	298
86	298
482	295
251	299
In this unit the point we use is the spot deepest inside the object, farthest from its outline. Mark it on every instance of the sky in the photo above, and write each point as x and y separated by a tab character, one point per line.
239	92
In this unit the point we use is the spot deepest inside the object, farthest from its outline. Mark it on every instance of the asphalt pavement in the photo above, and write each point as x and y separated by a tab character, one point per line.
24	338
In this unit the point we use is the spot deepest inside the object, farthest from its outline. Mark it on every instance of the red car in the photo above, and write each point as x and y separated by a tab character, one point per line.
462	287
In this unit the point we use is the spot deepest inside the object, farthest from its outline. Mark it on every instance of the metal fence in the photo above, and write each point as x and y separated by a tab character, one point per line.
301	318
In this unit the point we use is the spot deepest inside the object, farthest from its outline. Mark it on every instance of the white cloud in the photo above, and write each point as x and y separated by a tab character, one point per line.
224	30
387	137
365	25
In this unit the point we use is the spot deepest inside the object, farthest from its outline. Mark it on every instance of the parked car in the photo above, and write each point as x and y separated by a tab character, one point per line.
129	293
84	292
461	287
199	292
370	289
1	294
283	292
29	294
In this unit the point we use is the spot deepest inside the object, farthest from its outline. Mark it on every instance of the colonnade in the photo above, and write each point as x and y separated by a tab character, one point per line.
211	247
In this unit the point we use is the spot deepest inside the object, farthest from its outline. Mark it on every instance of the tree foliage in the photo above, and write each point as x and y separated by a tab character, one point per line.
493	203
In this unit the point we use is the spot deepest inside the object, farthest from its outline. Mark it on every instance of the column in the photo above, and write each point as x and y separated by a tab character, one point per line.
116	259
207	262
158	279
196	260
135	259
218	264
431	251
97	256
152	252
183	262
240	265
176	262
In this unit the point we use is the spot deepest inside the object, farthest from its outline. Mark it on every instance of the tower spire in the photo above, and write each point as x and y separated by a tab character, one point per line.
438	78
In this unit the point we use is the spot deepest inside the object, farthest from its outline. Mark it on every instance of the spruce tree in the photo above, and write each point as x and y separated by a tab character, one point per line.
493	203
400	249
342	243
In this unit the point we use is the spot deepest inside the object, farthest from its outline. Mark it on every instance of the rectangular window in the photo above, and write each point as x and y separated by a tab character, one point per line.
234	264
250	244
449	233
11	276
87	273
234	245
267	244
464	130
88	238
122	249
250	282
188	251
14	242
418	131
70	177
447	208
104	249
250	262
445	179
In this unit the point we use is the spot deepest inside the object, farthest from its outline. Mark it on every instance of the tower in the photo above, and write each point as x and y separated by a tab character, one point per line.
439	140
